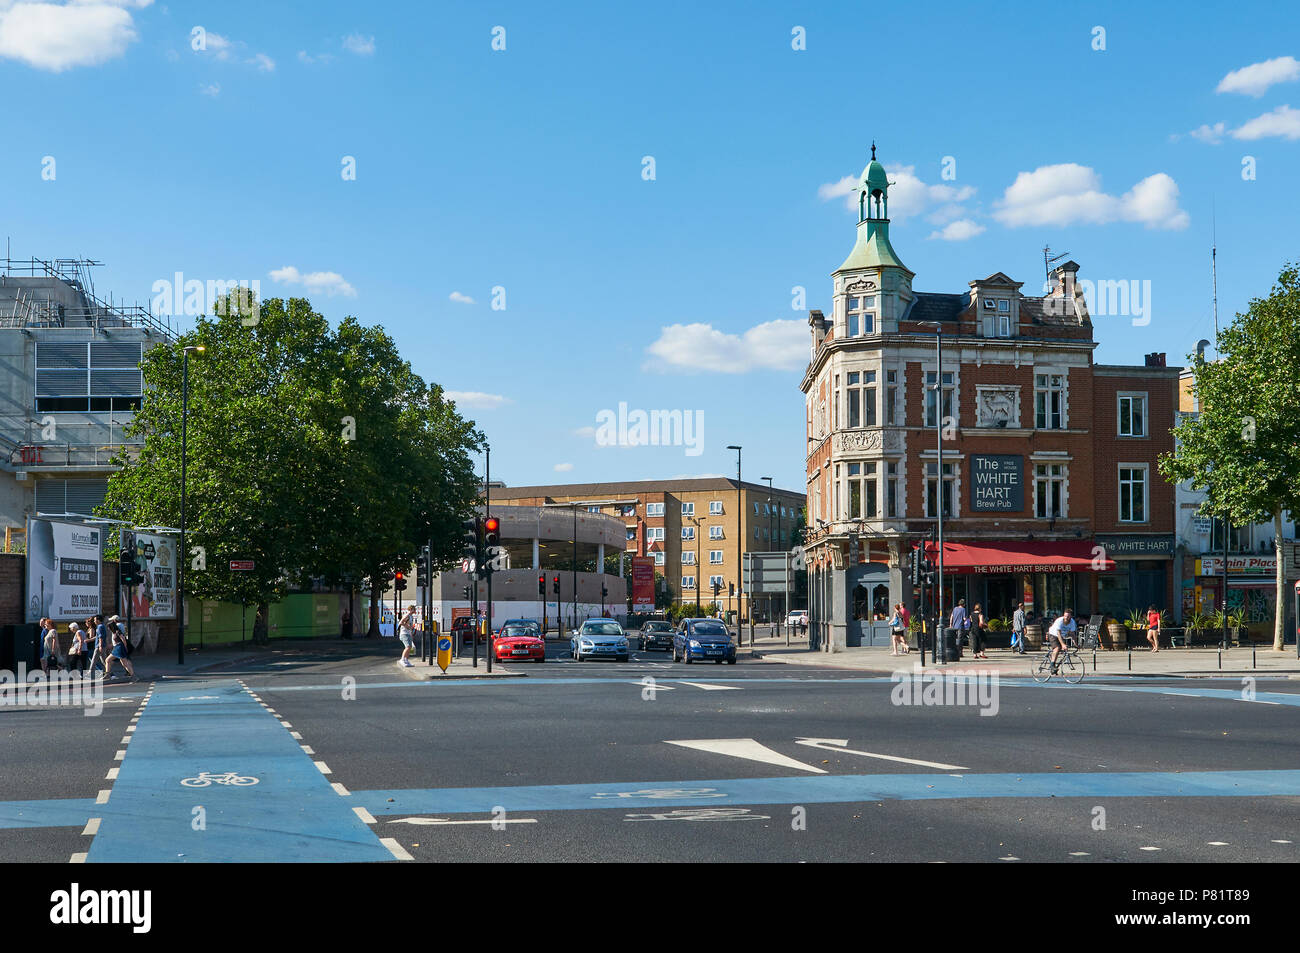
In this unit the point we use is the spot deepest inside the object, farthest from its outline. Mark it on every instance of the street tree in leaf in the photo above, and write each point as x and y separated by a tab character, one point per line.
1243	448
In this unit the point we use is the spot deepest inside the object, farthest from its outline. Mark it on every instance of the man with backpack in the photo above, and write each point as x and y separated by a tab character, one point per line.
121	649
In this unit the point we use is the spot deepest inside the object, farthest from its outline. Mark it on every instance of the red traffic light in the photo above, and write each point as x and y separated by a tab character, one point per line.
400	576
491	524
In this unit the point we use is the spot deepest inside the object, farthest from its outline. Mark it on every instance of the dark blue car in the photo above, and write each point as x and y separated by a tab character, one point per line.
703	640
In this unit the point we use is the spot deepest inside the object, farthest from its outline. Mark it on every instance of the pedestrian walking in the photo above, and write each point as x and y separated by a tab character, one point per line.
897	631
978	626
120	650
103	643
49	646
406	632
1153	628
77	652
1018	629
959	620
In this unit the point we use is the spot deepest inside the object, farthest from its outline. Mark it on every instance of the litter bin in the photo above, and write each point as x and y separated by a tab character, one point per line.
951	645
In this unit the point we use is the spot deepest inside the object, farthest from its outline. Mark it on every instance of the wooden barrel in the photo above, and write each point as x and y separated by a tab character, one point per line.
1033	636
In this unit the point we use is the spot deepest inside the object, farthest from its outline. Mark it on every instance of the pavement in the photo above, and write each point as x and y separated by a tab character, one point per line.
1167	663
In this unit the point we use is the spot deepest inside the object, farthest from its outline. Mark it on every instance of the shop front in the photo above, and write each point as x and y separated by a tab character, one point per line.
1047	576
1140	577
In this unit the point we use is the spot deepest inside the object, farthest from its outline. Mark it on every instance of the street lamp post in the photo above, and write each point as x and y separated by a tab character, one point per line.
939	656
771	539
184	553
698	568
740	540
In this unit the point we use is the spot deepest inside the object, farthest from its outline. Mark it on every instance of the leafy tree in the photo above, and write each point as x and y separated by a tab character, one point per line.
313	453
1243	448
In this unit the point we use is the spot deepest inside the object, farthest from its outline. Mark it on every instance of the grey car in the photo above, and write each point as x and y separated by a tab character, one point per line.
599	638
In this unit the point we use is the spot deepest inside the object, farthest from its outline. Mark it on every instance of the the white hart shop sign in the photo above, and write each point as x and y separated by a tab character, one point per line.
997	483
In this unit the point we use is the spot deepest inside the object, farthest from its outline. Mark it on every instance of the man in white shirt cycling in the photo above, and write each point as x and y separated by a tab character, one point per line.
1063	628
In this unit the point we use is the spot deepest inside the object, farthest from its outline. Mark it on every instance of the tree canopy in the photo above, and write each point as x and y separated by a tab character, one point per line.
1243	447
316	453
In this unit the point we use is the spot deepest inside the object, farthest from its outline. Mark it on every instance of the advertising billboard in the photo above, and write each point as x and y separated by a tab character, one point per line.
64	562
643	583
155	598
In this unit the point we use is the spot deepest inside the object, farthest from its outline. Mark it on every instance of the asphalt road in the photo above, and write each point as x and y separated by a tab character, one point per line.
352	758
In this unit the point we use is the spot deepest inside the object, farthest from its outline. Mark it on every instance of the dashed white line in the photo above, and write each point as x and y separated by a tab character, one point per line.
295	735
120	755
112	774
324	768
92	827
395	848
340	789
102	796
78	858
1216	843
1148	848
307	748
365	815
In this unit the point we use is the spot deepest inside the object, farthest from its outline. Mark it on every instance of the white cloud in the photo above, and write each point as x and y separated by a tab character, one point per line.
478	399
223	48
959	230
1255	79
908	195
774	345
59	36
1283	122
330	283
305	57
361	45
1069	193
563	467
457	296
263	62
1207	133
216	45
589	432
210	89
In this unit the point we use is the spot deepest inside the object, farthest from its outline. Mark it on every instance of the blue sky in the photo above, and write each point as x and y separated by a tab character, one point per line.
522	169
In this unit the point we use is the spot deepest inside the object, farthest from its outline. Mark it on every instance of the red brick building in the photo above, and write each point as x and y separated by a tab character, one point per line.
1050	489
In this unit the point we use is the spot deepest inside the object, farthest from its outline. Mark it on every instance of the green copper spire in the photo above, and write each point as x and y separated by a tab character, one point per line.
872	249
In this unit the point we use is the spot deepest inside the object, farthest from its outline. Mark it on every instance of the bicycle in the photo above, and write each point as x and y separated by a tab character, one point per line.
1068	665
226	777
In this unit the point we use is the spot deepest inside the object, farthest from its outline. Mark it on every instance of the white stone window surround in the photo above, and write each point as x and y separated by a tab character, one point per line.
1064	372
1146	415
862	285
1050	457
949	457
1146	493
985	391
953	368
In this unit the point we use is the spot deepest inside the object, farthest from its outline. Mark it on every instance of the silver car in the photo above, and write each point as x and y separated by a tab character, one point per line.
599	638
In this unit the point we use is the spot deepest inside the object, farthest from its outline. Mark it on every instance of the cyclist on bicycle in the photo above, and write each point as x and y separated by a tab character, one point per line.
1063	629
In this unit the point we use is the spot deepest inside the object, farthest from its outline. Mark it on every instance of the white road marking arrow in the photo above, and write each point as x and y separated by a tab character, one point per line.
838	745
746	748
713	688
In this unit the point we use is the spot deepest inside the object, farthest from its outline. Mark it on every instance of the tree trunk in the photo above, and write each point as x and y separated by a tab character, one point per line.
373	631
1283	594
352	612
261	634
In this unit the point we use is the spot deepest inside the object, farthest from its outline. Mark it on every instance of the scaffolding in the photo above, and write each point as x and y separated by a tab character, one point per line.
29	309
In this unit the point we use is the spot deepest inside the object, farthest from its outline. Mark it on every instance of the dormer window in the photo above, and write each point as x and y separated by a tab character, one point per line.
860	314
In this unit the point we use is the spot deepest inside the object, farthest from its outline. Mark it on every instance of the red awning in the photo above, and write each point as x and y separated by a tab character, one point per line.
1004	556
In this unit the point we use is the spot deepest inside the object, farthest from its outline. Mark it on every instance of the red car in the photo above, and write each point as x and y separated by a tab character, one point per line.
519	643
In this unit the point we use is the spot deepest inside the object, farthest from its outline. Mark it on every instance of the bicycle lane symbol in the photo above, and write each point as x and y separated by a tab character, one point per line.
226	777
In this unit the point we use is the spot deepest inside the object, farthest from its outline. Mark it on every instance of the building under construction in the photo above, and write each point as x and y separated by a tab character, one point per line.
70	383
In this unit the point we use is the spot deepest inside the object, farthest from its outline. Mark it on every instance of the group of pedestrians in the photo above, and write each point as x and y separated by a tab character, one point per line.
101	642
970	626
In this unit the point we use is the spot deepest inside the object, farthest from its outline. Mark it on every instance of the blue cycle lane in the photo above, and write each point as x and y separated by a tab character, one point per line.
291	813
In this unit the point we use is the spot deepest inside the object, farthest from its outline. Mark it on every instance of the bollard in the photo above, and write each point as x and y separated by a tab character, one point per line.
1220	659
1094	661
1252	657
1130	659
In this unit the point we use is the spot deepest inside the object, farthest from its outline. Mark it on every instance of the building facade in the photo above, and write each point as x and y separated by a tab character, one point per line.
1203	541
1048	480
72	382
695	529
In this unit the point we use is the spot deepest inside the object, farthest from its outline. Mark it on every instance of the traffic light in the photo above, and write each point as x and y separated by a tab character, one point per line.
422	566
399	582
492	531
915	566
717	586
731	589
555	584
541	585
129	567
466	591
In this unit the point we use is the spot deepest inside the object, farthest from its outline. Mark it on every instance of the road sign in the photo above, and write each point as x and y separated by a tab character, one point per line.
241	565
444	651
766	573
